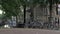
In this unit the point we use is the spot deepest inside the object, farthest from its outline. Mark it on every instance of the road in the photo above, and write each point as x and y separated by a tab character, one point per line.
28	31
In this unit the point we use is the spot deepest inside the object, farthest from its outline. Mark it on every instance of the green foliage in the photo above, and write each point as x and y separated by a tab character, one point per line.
11	7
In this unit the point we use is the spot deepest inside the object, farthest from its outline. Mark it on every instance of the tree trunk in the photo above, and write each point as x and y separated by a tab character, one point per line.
32	14
50	18
16	20
24	14
56	8
50	11
58	23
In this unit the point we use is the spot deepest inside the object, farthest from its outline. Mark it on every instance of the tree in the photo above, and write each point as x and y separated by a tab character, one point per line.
26	3
31	4
51	2
11	8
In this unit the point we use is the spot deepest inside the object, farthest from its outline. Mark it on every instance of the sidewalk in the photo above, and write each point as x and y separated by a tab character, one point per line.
28	31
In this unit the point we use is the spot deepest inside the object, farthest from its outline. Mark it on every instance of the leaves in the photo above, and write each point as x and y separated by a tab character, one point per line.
11	7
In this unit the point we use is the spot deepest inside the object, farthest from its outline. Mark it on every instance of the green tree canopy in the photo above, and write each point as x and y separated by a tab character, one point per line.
11	7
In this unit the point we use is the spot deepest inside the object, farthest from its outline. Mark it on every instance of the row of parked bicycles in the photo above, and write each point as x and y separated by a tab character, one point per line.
36	24
40	25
